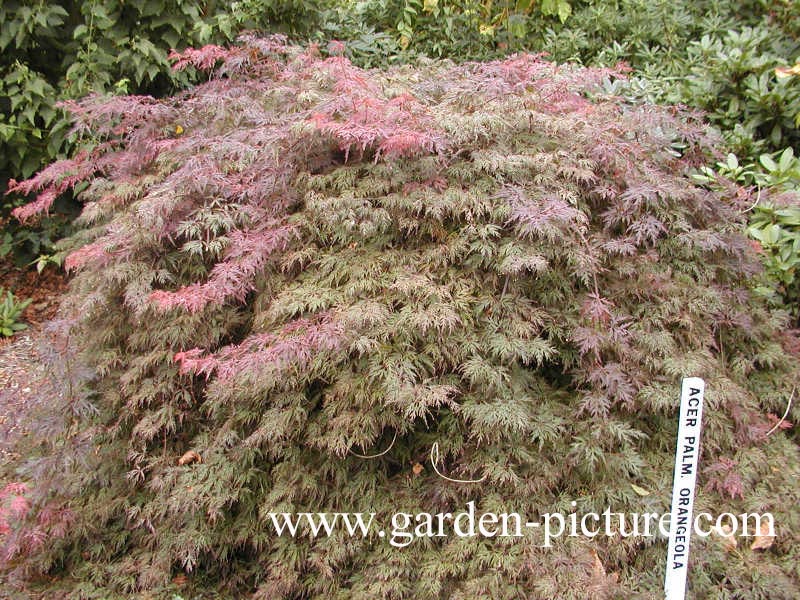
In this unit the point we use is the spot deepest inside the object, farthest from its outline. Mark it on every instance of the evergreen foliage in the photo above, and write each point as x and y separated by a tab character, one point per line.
301	261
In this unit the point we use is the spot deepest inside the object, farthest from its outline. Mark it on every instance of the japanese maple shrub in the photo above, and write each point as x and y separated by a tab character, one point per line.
295	279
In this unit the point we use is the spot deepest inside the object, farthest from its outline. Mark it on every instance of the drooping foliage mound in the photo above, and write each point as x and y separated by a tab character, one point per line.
309	274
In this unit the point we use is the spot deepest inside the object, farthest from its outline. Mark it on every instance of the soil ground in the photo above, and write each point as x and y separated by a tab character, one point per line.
45	289
20	366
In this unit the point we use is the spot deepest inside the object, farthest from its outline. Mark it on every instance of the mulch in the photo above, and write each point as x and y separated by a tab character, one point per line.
21	369
21	375
45	289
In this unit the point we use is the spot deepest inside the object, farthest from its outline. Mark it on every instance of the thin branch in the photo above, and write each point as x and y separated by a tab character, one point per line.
786	412
368	456
435	459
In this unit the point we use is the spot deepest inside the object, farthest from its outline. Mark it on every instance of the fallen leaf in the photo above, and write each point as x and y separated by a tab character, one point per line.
190	457
600	578
763	539
639	490
783	72
725	533
417	468
598	570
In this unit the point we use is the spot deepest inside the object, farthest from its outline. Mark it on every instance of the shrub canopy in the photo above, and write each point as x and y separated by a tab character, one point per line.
300	262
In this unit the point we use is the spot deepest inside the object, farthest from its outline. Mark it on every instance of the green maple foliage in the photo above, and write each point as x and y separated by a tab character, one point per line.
300	262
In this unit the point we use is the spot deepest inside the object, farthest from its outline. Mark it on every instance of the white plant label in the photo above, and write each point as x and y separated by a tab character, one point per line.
683	484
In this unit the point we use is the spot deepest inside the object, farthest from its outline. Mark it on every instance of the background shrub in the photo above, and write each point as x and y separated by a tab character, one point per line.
715	55
300	261
10	312
775	220
60	50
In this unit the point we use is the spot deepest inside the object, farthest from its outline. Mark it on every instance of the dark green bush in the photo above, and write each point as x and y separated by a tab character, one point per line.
775	215
733	79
